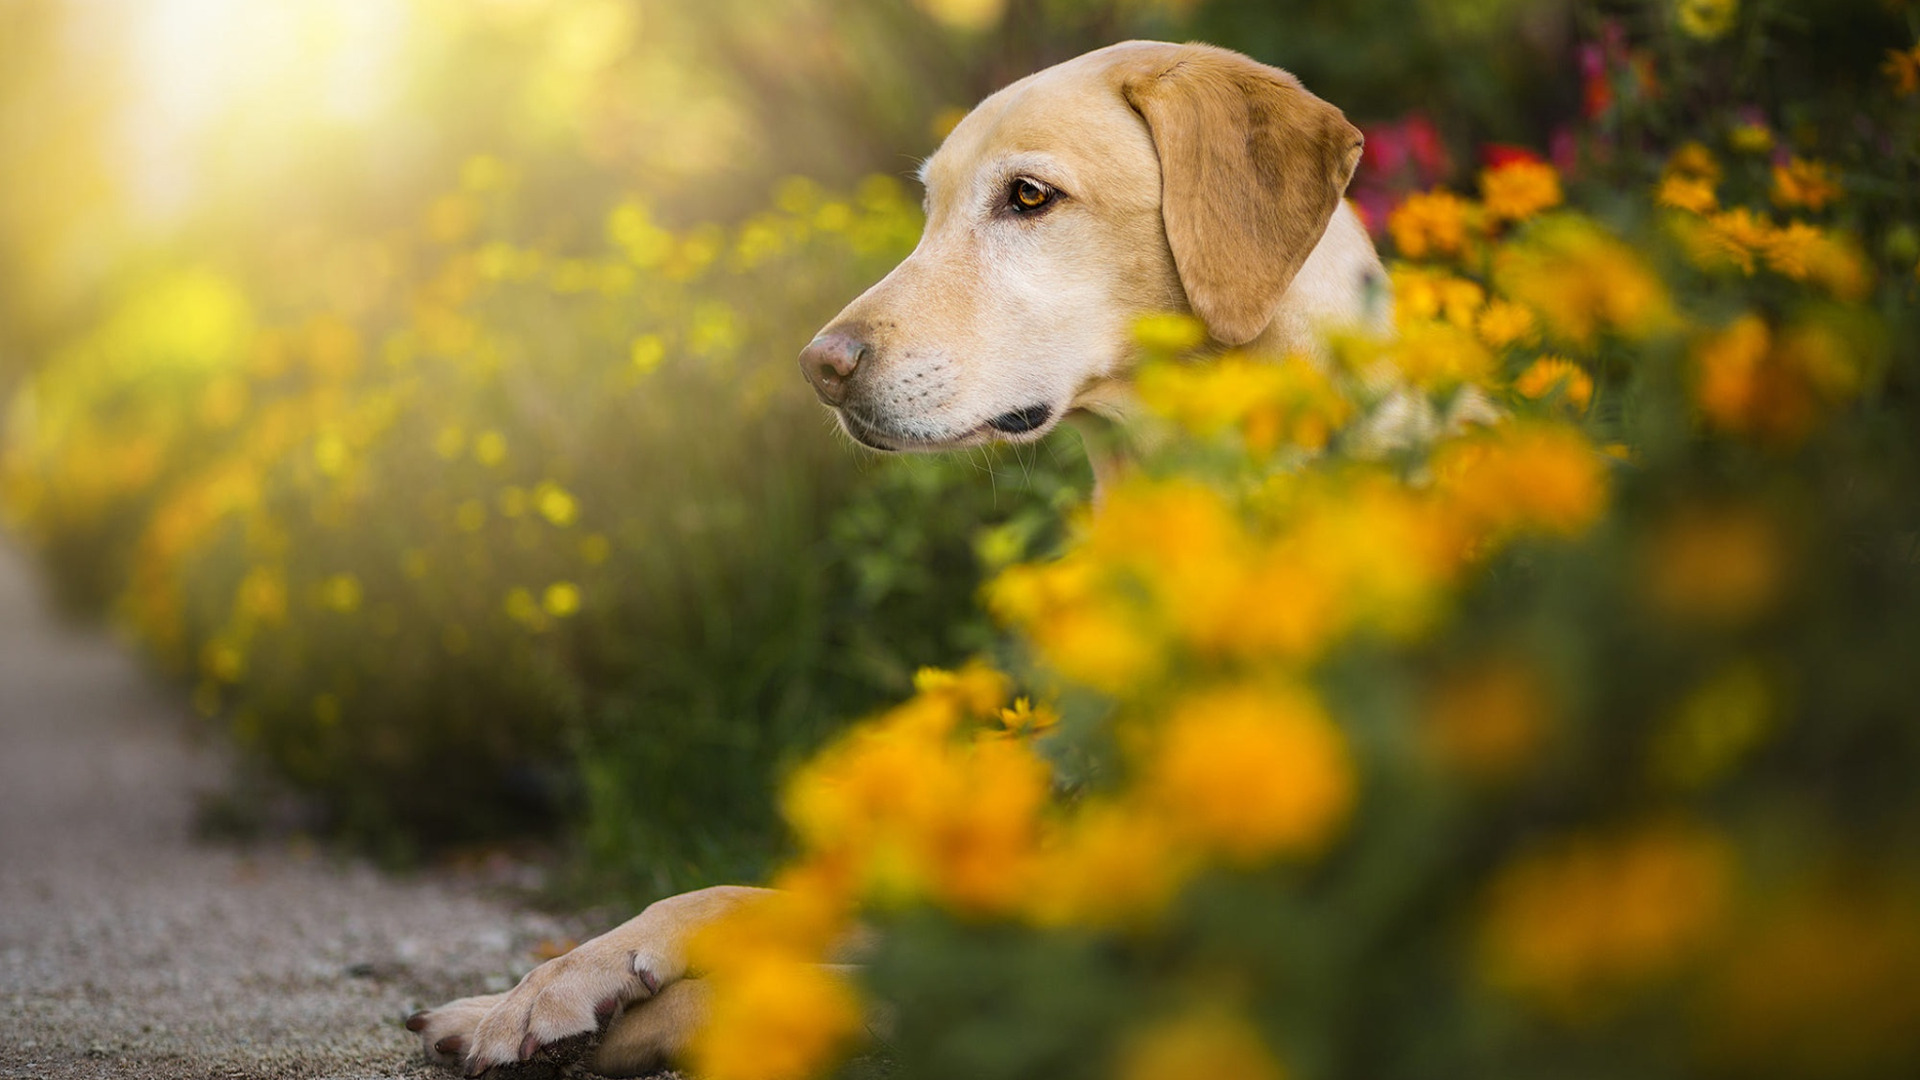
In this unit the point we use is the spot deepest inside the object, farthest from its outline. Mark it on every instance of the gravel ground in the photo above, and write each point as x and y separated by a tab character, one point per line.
127	949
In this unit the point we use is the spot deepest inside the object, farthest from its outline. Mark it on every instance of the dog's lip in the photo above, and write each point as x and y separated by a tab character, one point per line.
1022	421
1019	425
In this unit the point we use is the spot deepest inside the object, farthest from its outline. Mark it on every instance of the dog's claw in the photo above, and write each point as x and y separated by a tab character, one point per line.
651	980
418	1021
529	1046
450	1046
605	1010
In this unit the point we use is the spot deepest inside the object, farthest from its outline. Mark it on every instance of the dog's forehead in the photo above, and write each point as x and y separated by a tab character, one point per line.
1071	113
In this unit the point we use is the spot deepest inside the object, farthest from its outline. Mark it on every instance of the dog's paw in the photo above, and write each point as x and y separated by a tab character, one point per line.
567	996
446	1032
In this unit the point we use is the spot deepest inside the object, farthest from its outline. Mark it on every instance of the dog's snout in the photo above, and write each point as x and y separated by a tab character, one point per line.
829	361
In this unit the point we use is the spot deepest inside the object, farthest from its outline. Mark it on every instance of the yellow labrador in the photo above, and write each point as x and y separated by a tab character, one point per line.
1140	178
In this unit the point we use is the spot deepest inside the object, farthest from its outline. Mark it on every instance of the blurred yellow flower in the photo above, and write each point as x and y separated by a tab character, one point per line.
1488	720
1524	476
1750	137
341	593
1107	864
1775	387
1903	67
1251	772
490	448
1714	727
646	352
1705	19
555	503
917	813
1209	1044
1430	225
1438	356
775	1017
1805	182
965	14
1519	189
561	599
1694	194
1169	333
1423	293
1505	323
1717	564
1573	926
1551	374
1273	403
1027	719
521	607
1581	281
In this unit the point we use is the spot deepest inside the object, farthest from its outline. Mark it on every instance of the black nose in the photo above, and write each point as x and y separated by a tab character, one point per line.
829	361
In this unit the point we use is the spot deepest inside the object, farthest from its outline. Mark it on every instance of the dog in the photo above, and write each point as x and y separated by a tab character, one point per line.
1141	178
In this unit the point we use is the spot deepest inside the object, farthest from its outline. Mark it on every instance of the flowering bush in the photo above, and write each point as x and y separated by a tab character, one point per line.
1520	695
512	505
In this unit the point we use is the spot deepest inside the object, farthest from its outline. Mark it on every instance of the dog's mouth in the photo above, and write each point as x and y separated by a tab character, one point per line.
1021	421
880	436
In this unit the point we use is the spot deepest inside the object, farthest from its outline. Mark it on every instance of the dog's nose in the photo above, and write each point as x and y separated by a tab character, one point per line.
829	361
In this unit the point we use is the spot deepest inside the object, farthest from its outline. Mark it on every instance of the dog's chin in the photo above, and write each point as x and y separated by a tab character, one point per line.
1014	426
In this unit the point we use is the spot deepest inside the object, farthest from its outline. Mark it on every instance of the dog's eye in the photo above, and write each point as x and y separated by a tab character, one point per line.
1028	195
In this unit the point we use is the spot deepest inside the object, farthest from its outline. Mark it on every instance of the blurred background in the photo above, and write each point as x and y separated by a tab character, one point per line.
412	380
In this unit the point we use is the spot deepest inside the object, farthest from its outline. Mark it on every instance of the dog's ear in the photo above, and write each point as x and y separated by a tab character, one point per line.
1252	167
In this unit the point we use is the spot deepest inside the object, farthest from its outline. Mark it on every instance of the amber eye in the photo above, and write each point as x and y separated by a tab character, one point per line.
1030	195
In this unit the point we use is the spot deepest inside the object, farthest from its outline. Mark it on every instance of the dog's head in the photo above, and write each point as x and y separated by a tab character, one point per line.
1140	178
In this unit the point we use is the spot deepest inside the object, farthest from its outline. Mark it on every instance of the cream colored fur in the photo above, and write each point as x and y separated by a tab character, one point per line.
1186	178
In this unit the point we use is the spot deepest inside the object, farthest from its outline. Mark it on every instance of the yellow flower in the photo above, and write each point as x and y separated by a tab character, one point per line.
341	593
1573	926
1532	477
1803	252
1750	137
1251	772
916	813
490	448
1903	67
1169	333
1210	1044
1026	719
1505	323
976	688
1430	225
555	503
1693	160
1804	182
1550	374
1286	402
1694	194
1705	19
1487	721
1719	565
1748	381
1439	356
1581	281
1519	189
1424	294
774	1017
561	599
1715	726
1737	236
1107	865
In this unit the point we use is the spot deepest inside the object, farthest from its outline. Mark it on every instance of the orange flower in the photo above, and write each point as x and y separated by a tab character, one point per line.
1804	182
1430	225
1519	189
1551	373
1903	67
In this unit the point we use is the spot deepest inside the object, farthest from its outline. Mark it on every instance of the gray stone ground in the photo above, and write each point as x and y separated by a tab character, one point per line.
129	950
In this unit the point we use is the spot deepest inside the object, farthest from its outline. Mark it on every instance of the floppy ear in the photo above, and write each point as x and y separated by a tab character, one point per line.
1252	167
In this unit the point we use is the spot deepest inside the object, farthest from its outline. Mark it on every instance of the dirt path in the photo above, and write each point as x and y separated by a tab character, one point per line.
128	950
